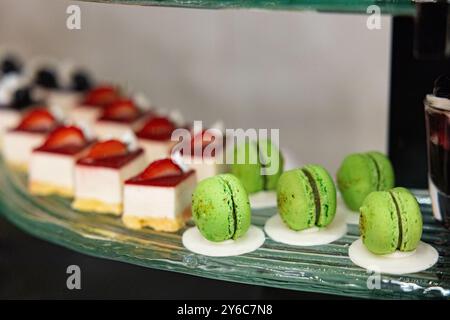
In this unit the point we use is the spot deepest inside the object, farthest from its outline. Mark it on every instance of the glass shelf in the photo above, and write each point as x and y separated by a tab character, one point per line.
322	269
389	7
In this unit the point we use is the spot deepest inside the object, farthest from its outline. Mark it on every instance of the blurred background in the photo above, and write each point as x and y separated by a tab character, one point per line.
322	79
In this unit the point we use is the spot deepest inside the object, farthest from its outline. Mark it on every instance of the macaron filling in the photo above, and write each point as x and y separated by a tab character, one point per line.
316	194
233	206
263	162
377	170
399	218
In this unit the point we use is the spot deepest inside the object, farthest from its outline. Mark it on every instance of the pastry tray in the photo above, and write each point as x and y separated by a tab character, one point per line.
321	269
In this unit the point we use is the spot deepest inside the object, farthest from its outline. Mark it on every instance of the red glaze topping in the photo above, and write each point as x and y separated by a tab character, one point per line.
110	153
123	110
65	140
200	141
107	149
101	96
157	128
166	181
65	136
37	120
161	168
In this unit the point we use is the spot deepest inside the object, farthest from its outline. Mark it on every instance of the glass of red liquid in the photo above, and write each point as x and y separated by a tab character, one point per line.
437	118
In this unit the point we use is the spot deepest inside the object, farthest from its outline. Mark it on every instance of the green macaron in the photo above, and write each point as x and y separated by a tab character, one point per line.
306	197
258	165
361	174
390	220
220	208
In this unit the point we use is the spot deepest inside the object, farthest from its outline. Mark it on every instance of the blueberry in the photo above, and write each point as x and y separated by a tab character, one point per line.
10	64
46	78
81	81
442	87
22	98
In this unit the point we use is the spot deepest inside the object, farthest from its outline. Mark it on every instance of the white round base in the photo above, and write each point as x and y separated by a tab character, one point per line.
352	216
278	231
195	242
263	199
424	257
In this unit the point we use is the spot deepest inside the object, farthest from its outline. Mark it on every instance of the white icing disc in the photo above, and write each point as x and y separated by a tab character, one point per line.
424	257
195	242
278	231
352	217
263	199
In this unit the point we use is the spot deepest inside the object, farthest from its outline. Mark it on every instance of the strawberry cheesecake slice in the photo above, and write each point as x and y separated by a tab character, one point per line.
159	197
155	138
206	156
19	142
70	95
52	165
100	175
91	108
119	117
11	113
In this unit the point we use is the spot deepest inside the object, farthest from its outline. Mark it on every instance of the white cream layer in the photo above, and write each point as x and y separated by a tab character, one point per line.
52	168
155	150
105	184
18	145
114	130
84	114
63	100
8	119
158	202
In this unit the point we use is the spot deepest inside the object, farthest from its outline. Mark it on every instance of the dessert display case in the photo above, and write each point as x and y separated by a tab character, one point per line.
321	269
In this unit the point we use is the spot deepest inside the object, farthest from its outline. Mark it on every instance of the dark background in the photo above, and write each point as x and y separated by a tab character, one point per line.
34	269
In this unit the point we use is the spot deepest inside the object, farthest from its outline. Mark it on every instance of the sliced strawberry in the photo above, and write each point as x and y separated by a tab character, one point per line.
65	136
102	95
109	148
159	128
37	119
123	109
161	168
205	138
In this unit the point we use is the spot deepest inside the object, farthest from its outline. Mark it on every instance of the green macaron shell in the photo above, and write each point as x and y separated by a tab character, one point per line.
250	158
242	211
386	177
299	191
411	218
361	174
212	209
295	200
247	167
220	208
378	223
327	192
274	163
390	220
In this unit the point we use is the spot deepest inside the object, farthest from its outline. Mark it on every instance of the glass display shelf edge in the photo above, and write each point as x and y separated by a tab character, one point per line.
387	7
